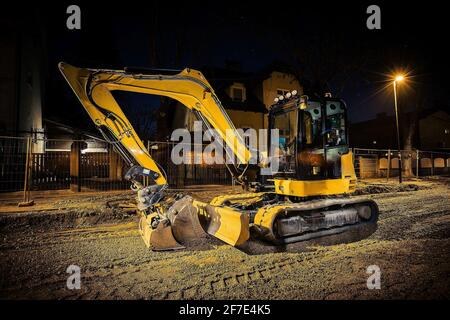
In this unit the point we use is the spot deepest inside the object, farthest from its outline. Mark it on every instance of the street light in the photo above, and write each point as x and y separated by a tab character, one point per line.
397	79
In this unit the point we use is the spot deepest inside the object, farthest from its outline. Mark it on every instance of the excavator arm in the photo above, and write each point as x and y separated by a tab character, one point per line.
165	219
93	88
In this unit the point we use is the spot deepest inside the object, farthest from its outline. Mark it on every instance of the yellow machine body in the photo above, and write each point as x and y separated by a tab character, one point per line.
302	188
169	222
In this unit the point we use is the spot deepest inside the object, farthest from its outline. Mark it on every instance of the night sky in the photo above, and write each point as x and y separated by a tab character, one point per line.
327	44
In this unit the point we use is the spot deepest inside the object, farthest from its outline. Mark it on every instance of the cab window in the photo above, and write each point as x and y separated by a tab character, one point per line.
335	132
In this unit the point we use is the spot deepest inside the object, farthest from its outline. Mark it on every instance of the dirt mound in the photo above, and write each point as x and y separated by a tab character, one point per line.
60	219
375	188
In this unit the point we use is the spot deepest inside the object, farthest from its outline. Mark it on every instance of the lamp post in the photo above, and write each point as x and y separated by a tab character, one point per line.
397	79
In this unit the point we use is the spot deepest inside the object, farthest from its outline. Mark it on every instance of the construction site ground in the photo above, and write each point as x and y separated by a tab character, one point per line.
411	246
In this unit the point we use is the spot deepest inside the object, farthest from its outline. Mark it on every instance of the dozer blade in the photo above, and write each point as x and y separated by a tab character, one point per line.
224	223
159	238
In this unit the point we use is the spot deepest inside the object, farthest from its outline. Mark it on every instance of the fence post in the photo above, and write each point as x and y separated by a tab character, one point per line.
432	164
417	164
27	171
389	164
114	172
75	166
377	166
26	186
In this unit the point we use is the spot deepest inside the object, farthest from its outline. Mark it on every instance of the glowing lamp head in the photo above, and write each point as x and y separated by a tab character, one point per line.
399	78
303	102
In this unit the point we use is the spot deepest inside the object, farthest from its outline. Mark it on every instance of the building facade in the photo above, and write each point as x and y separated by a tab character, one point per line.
246	97
426	130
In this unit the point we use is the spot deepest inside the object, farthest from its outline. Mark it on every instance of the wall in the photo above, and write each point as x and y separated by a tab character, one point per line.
240	119
278	80
245	119
21	75
432	131
30	90
8	63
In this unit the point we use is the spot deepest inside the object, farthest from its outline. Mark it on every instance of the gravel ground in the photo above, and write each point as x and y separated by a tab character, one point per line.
411	246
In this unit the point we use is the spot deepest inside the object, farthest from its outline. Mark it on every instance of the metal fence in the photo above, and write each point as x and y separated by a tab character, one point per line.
83	165
51	165
13	152
377	163
89	165
190	173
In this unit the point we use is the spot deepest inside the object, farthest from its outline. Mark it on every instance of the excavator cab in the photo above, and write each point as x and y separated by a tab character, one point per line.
312	137
313	152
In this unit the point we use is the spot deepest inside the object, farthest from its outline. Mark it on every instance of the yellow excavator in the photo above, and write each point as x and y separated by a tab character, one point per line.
305	198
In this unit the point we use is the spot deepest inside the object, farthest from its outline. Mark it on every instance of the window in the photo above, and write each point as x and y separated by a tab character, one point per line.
312	123
335	132
286	123
237	92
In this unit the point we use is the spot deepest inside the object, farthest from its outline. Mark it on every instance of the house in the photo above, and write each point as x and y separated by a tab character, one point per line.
378	133
246	97
426	130
434	130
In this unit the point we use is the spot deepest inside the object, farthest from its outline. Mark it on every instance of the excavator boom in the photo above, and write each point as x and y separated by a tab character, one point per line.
93	88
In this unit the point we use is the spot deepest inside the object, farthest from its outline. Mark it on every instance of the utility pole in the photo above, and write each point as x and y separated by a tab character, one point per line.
398	78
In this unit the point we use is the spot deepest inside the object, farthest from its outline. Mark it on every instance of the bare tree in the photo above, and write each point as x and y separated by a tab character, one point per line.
416	102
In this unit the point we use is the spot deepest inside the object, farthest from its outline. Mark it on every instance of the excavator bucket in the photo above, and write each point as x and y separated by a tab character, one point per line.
184	220
181	226
159	238
188	220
